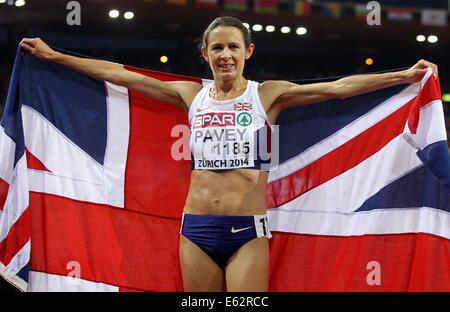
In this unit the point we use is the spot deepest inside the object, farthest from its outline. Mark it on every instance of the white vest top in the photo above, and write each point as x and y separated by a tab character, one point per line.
228	134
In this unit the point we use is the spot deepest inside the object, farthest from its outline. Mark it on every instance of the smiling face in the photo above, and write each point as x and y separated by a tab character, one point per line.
226	52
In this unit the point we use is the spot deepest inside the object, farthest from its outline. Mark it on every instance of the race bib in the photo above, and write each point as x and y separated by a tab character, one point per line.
223	140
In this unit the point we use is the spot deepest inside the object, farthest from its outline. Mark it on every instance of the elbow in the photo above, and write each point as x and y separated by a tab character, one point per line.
116	77
341	91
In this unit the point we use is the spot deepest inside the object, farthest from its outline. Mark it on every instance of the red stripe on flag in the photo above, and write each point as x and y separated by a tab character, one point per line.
431	91
149	154
342	158
18	236
407	262
112	245
34	163
4	187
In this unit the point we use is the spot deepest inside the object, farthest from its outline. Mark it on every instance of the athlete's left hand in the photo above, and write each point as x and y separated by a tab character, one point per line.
416	72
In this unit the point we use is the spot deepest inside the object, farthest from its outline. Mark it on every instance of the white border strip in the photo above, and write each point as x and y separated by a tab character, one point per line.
379	221
117	144
45	282
7	154
49	183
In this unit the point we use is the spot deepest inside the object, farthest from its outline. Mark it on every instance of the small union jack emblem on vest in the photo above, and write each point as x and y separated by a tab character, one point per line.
242	106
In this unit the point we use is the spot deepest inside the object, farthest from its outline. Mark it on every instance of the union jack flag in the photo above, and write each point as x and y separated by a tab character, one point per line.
242	106
89	191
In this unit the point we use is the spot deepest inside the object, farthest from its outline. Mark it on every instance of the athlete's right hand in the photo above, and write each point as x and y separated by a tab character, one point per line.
37	47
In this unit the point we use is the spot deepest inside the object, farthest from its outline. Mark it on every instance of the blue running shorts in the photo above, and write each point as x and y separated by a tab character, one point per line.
221	236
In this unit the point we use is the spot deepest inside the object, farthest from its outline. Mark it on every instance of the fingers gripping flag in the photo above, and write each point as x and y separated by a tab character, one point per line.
91	198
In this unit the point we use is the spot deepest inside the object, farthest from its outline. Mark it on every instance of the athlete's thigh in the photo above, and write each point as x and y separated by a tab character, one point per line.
199	271
248	269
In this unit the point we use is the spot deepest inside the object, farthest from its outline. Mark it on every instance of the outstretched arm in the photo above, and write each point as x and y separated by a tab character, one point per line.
179	93
283	94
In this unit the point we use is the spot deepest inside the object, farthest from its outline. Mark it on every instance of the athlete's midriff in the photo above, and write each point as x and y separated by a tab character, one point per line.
236	192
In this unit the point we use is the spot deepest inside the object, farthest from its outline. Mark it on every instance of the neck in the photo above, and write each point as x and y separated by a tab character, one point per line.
229	86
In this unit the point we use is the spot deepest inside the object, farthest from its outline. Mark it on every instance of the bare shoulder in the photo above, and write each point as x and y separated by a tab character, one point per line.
274	86
269	84
270	90
187	90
